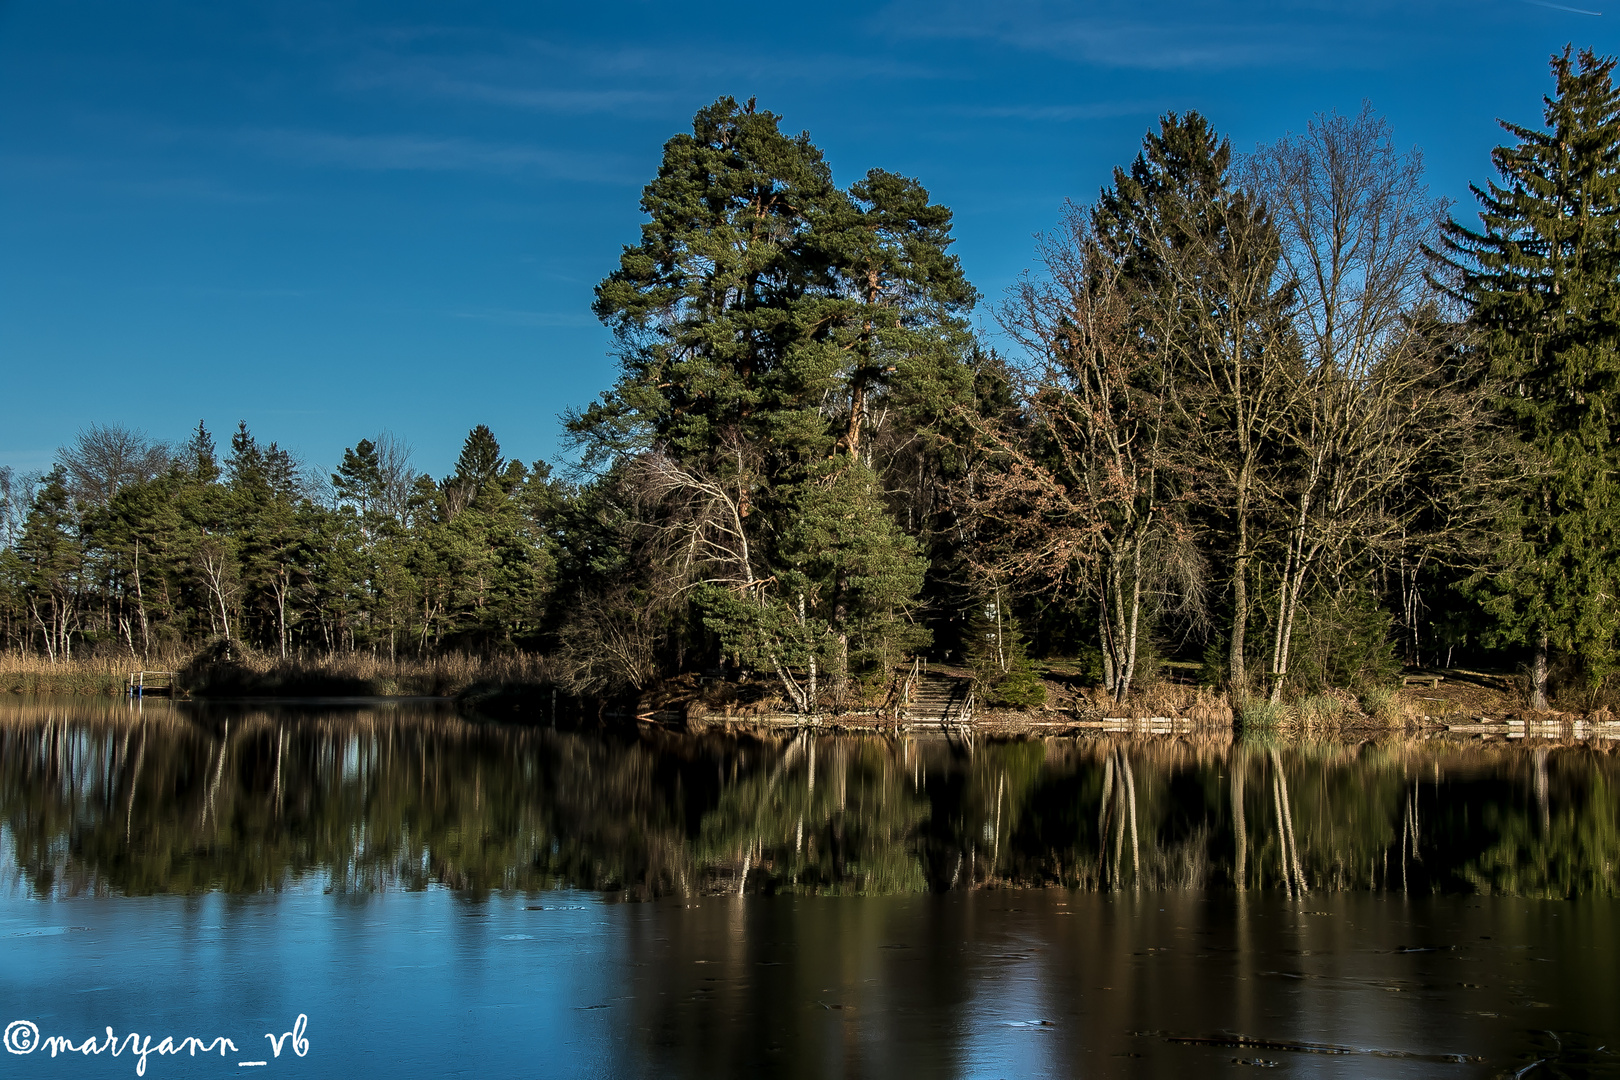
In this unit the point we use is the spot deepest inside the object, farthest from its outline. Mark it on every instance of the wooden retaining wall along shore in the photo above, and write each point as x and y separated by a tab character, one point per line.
994	723
1049	724
1554	728
930	701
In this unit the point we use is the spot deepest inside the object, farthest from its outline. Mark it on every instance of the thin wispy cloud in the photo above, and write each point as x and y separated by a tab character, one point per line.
550	77
430	81
1561	7
510	317
193	189
127	178
1100	110
251	293
1215	38
426	153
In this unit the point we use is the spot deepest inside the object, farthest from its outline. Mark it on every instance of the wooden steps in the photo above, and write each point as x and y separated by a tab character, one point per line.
941	699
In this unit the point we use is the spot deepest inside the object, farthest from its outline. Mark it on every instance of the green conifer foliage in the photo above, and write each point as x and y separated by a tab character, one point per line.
1002	672
199	455
1172	193
1541	277
51	554
759	319
359	479
903	303
716	311
480	461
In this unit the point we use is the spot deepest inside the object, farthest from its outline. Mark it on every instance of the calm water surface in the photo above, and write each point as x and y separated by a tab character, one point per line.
439	897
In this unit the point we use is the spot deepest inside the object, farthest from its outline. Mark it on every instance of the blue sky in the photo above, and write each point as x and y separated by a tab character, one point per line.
334	218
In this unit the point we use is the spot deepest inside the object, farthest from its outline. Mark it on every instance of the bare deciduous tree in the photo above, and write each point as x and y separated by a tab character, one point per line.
105	458
1371	397
700	536
610	641
1098	489
1220	316
216	565
397	475
17	492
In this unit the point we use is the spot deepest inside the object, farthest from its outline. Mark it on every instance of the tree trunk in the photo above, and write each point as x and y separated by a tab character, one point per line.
1235	672
840	619
1102	640
140	604
1134	625
1238	766
281	616
1538	676
47	633
1293	583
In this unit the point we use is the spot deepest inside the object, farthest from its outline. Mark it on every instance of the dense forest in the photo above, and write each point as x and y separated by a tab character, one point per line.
1279	415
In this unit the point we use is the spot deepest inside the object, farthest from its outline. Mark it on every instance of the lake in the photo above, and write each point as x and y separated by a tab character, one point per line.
436	896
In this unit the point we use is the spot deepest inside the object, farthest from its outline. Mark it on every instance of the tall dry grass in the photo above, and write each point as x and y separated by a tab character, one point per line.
1385	705
1161	698
338	673
28	673
341	674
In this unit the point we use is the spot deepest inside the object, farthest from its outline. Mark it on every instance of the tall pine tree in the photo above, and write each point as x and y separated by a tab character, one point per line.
758	320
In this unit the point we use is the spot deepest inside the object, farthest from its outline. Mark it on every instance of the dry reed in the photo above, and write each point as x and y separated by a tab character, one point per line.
1160	698
29	673
346	673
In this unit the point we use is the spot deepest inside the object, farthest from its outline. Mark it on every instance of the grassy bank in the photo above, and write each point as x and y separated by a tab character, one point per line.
338	675
524	686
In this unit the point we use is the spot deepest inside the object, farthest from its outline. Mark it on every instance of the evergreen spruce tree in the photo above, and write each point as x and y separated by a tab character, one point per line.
52	557
244	468
199	457
1002	672
479	464
1541	278
480	460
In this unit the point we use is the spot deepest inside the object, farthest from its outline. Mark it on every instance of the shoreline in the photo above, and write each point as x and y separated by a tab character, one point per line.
1554	728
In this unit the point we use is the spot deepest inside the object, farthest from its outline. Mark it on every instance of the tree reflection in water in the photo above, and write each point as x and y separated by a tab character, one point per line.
100	797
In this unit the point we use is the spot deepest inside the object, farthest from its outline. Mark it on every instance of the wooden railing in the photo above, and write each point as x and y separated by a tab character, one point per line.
142	683
911	680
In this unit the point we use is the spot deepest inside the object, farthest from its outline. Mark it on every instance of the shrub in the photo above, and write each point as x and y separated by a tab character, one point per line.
1002	673
1320	708
1384	704
1342	640
1260	714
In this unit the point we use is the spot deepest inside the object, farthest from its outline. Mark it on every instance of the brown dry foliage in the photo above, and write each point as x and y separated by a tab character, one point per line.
429	676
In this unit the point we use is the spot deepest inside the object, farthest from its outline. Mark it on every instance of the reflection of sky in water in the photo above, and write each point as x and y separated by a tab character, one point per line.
1008	1027
414	984
398	874
565	984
